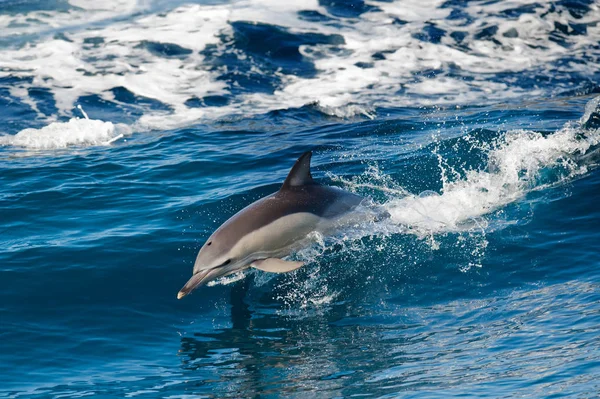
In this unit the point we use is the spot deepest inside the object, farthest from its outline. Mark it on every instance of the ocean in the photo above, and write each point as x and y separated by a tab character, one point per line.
132	129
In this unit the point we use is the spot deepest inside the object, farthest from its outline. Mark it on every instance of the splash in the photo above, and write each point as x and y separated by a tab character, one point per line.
458	218
519	162
226	280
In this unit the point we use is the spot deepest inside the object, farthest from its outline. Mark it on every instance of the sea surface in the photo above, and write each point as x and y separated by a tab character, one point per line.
130	130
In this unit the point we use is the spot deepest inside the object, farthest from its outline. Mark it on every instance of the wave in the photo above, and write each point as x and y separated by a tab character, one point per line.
514	164
206	62
458	217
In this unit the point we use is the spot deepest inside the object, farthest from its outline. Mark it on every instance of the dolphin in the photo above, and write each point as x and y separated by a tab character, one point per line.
273	227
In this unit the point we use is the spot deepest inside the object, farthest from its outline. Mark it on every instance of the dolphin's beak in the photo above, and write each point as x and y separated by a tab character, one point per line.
202	277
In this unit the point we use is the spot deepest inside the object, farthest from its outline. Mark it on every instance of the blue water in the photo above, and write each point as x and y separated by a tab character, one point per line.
476	125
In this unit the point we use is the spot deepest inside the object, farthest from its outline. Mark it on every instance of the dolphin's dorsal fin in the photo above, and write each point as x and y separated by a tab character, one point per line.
300	173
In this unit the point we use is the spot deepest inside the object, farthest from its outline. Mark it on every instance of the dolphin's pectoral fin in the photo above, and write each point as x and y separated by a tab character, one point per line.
274	265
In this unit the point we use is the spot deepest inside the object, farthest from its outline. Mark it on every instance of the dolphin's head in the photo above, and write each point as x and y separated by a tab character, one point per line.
214	260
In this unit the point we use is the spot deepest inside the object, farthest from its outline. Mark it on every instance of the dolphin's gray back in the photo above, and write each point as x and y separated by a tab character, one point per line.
322	201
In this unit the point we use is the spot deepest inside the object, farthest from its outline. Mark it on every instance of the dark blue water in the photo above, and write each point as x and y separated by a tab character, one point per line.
476	125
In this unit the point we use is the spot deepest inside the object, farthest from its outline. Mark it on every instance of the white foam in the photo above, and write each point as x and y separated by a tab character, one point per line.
74	68
83	13
75	132
515	167
71	69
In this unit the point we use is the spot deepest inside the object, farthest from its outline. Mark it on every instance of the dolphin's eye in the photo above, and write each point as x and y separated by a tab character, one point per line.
210	243
228	261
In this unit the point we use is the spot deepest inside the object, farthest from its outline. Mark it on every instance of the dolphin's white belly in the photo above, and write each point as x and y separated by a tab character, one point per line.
277	238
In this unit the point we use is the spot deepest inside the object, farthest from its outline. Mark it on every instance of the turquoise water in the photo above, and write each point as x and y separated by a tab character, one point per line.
474	125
